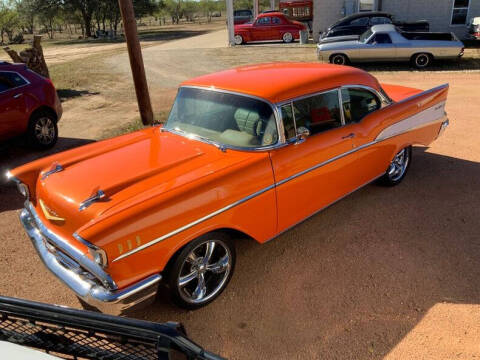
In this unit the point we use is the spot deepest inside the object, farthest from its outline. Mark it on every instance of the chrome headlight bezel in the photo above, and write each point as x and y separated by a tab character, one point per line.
23	190
99	256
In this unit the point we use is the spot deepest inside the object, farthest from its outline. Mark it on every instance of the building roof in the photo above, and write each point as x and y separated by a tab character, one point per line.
277	82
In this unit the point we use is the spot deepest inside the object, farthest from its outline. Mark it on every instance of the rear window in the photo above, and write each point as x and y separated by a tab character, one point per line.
10	80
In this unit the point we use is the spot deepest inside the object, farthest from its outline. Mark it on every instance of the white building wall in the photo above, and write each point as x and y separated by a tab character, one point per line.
437	12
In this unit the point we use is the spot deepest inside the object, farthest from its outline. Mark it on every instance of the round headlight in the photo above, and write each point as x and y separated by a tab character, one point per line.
23	189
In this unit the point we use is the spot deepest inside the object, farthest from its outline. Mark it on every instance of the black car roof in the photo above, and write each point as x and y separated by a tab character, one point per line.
360	15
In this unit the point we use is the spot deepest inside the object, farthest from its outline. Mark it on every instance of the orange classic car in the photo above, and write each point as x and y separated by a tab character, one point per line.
245	153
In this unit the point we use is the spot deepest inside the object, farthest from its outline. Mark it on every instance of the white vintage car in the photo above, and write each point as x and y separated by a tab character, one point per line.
387	43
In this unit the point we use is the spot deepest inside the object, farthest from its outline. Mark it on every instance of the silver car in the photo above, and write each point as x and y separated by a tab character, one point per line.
387	43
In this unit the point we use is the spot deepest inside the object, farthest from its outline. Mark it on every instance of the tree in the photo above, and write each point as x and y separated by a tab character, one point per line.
48	10
9	21
27	11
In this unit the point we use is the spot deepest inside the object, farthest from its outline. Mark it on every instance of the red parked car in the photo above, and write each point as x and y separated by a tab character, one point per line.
269	26
29	105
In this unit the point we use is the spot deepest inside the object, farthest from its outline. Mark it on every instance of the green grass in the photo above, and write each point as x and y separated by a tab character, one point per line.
135	125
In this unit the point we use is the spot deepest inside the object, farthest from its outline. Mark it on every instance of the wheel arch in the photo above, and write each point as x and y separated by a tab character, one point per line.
43	109
432	57
339	53
231	232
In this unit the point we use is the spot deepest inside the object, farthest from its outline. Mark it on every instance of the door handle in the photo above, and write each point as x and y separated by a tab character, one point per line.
17	96
349	136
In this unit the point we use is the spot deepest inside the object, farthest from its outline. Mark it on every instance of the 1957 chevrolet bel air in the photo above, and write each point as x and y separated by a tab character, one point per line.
248	152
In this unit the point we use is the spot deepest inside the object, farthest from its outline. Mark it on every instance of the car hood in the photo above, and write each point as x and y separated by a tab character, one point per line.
337	45
243	26
128	170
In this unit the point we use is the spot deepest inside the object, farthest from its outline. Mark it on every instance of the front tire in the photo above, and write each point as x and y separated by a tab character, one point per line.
422	60
339	59
287	37
202	270
398	168
42	130
238	39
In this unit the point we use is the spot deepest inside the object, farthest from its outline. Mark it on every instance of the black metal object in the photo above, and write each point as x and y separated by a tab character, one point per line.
80	334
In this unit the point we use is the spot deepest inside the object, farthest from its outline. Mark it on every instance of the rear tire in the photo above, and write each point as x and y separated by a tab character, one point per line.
422	60
339	59
42	130
398	168
287	37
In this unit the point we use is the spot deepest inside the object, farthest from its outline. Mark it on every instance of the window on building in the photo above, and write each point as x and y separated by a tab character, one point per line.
460	12
366	5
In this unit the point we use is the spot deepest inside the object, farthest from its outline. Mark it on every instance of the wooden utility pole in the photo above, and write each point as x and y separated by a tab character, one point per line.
136	61
230	24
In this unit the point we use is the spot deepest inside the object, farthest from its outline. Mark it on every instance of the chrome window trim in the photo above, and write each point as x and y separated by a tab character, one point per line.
281	139
18	87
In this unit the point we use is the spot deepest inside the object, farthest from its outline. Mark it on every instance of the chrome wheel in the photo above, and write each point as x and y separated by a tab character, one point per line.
287	37
204	272
422	61
238	39
399	165
45	131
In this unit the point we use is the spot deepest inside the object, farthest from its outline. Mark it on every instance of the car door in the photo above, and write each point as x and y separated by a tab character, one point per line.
13	116
262	29
313	171
277	28
361	108
380	47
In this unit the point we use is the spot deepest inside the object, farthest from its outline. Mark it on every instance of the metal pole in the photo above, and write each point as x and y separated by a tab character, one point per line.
136	61
272	4
230	24
255	8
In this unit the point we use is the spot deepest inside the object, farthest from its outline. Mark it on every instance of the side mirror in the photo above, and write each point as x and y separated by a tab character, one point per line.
302	134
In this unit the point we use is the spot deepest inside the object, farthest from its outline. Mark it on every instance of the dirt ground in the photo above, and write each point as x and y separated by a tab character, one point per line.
385	273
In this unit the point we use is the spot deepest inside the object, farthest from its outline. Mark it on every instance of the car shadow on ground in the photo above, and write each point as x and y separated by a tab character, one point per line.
464	64
15	152
354	280
67	94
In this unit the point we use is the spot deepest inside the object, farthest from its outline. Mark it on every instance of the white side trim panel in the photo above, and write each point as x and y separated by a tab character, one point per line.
430	115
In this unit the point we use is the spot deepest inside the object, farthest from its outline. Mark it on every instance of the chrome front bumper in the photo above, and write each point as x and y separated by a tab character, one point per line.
79	273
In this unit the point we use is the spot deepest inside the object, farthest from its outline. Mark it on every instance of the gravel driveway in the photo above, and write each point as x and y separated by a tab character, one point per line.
385	273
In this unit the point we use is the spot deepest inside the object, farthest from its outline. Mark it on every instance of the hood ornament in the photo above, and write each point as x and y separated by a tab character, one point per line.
56	167
92	199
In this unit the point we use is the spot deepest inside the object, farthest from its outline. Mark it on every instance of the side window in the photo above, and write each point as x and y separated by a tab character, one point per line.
10	80
360	21
276	20
264	21
318	113
358	103
381	39
380	20
288	121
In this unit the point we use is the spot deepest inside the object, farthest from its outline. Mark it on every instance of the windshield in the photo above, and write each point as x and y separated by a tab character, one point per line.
364	37
227	119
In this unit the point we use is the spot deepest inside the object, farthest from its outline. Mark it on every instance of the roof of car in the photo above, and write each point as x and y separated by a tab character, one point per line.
276	13
383	28
362	14
277	82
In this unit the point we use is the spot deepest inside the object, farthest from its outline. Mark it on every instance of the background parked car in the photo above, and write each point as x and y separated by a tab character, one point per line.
357	24
269	26
386	43
242	16
29	105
